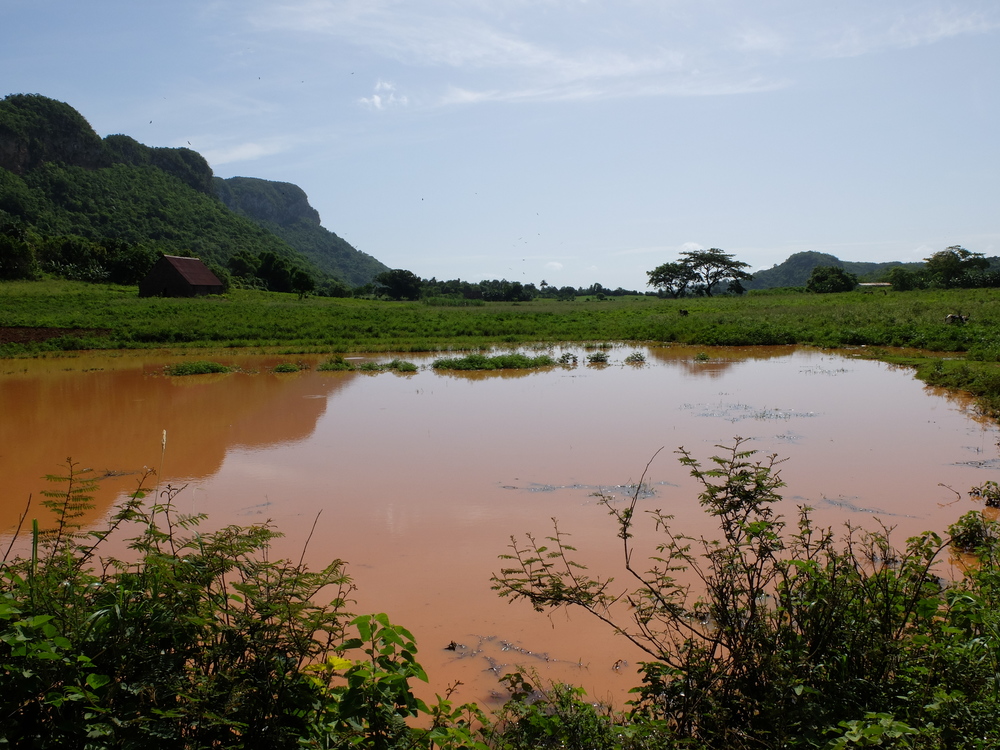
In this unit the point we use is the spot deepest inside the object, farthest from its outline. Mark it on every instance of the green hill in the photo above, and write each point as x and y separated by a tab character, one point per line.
796	269
59	178
283	209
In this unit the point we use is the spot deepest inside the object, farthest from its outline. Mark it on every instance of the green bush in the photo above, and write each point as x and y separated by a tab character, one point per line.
787	632
197	640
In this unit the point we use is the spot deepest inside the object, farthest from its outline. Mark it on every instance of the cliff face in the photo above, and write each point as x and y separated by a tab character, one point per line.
283	208
188	166
35	129
278	203
122	189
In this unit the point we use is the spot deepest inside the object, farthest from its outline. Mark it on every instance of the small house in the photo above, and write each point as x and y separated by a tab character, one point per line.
173	276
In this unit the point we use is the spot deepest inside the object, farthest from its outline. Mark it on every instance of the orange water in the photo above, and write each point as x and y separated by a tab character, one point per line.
420	480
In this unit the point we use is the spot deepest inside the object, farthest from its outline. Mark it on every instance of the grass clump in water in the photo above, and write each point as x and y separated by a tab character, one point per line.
497	362
339	363
195	368
398	365
287	367
336	362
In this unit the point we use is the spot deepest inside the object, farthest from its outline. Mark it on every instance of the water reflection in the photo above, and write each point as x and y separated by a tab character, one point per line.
419	480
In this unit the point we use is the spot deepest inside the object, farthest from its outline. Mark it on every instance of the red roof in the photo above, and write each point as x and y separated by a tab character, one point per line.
193	270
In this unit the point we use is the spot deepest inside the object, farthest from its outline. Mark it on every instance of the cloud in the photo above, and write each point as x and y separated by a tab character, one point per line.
248	151
384	97
553	266
566	50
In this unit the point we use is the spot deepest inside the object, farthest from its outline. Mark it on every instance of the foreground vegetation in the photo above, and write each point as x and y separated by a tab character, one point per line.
114	317
795	637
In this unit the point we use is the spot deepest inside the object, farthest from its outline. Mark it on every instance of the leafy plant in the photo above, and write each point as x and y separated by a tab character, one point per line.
766	637
200	641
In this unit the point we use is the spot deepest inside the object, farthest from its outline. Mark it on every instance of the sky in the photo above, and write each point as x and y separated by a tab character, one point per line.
566	141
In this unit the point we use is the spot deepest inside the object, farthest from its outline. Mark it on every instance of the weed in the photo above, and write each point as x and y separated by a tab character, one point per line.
786	633
195	368
497	362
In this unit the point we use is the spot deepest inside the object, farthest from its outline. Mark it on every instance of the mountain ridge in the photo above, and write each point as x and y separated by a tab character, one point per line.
59	177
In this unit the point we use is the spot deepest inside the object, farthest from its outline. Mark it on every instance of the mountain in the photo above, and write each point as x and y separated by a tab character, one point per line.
59	178
284	210
795	271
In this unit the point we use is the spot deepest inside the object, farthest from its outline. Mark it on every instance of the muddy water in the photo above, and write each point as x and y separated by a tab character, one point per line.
420	480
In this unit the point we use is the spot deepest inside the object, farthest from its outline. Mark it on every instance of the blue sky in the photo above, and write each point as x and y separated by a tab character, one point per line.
567	140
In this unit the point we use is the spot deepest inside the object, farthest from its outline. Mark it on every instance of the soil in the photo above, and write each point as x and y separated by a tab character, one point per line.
31	335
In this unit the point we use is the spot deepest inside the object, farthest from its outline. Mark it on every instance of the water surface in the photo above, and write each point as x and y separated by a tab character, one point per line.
418	481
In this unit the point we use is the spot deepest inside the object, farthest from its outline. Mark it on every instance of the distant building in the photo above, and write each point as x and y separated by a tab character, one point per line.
173	276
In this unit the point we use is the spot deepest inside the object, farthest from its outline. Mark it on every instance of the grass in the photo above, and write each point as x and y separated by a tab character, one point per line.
119	319
195	368
497	362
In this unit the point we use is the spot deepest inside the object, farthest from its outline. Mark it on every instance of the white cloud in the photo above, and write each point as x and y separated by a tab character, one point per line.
553	266
383	97
248	151
561	50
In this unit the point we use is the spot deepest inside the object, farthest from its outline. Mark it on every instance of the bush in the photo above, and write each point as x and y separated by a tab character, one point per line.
200	640
787	633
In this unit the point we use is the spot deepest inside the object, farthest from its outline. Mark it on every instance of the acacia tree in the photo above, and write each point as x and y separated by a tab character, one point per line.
672	278
713	266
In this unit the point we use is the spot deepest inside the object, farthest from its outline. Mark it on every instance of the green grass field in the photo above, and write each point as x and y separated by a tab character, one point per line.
877	320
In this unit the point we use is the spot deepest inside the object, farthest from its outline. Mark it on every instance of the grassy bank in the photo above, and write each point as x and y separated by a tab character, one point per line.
114	317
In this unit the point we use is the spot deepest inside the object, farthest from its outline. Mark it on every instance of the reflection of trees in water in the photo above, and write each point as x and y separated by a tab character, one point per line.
494	374
719	360
112	421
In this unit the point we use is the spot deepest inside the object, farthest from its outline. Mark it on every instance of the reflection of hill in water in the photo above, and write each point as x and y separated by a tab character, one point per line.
112	421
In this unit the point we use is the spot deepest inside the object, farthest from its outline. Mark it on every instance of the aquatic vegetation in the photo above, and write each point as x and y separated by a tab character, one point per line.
195	368
495	362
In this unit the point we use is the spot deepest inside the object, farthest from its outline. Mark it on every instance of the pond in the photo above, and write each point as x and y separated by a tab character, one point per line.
419	480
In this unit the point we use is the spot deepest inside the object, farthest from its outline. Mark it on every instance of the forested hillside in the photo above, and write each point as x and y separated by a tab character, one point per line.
284	210
795	271
77	199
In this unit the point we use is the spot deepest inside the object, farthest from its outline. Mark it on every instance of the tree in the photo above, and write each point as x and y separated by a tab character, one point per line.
902	279
672	278
398	284
946	267
827	279
714	266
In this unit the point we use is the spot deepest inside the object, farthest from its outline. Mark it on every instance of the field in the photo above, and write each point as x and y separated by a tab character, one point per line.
52	316
860	643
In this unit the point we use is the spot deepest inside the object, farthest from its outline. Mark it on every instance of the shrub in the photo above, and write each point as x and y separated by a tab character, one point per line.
200	640
786	633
